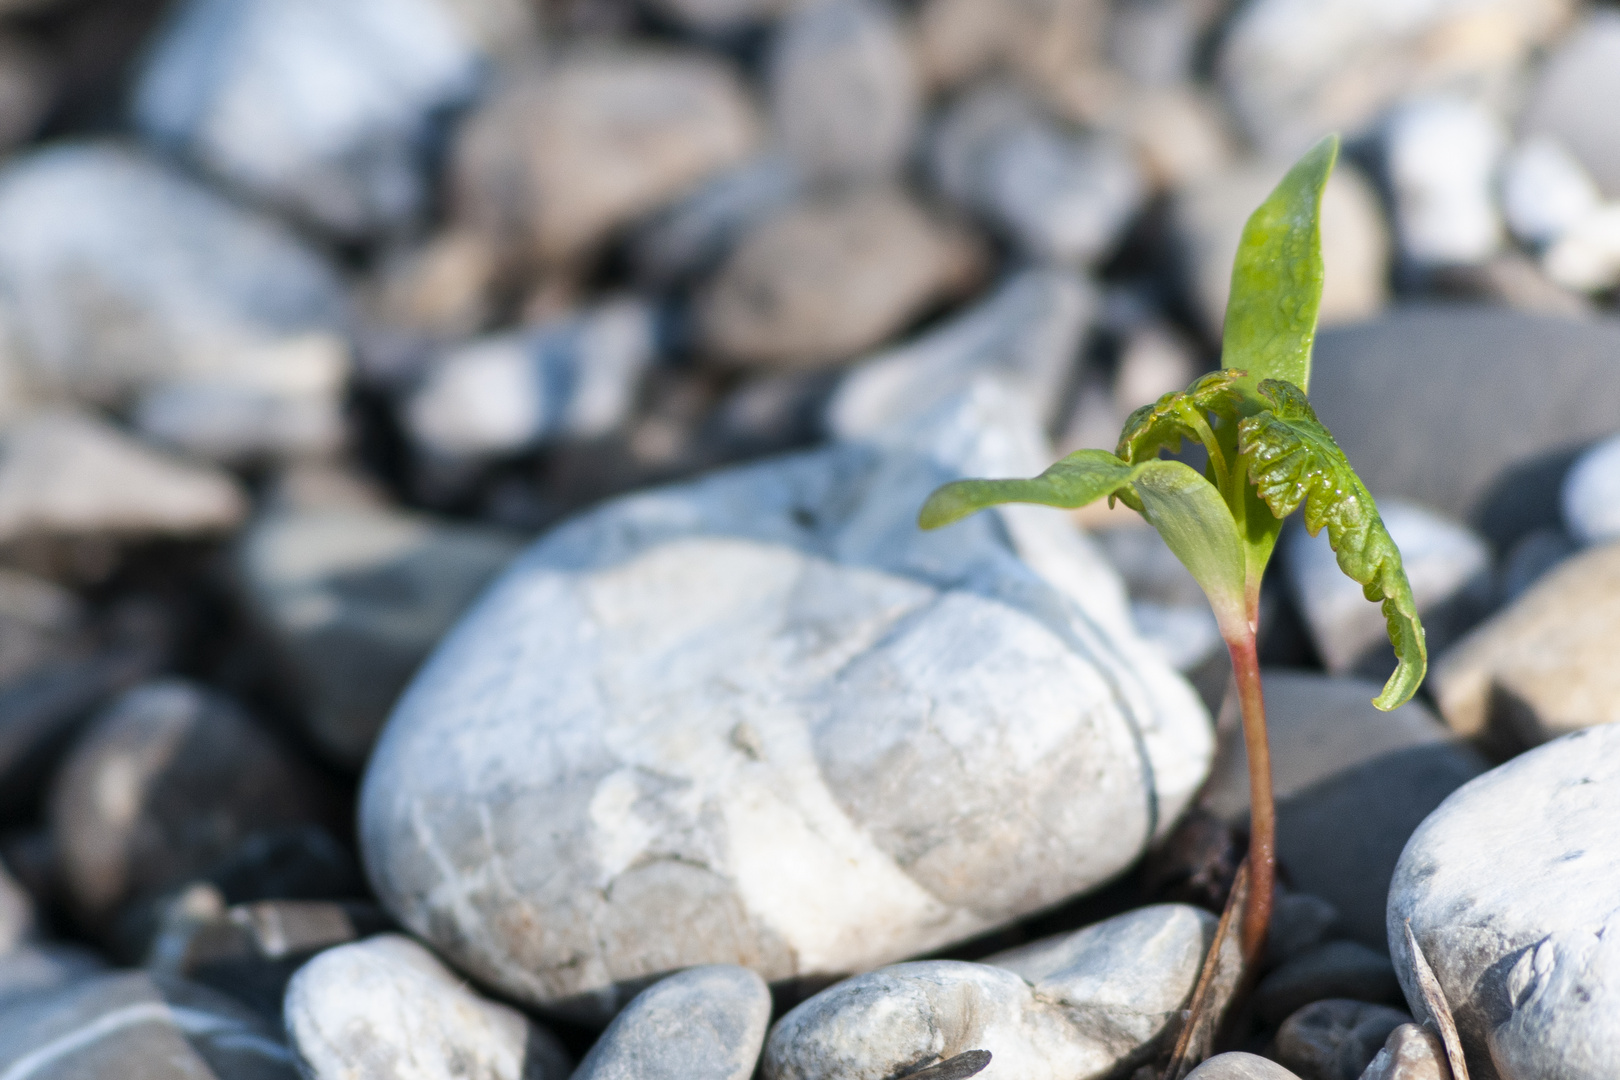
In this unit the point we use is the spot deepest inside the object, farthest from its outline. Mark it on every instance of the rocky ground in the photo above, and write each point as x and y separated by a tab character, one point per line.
461	613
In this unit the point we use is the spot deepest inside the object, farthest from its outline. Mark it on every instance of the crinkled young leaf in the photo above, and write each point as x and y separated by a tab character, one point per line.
1277	277
1173	417
1293	459
1083	477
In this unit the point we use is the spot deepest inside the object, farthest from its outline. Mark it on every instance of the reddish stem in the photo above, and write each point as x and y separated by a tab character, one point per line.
1262	808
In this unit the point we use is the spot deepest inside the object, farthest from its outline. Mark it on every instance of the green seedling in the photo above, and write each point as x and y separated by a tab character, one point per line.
1268	456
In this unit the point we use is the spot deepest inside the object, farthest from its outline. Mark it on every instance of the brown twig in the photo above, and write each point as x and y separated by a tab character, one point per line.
1217	984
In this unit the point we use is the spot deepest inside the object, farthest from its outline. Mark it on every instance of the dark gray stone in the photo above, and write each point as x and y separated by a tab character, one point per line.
1509	889
135	1027
1298	922
1480	437
706	1023
40	968
1335	1039
1338	969
1351	784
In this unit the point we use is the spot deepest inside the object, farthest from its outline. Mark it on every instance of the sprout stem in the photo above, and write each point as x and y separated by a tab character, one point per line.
1262	809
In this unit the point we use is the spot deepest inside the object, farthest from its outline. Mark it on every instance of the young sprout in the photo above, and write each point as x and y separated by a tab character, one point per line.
1268	456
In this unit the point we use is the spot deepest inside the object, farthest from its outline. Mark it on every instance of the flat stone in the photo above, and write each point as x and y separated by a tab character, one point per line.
1088	1004
1351	784
774	724
561	154
843	86
1542	666
1580	70
1448	565
1209	215
387	1009
1056	194
1028	332
130	1025
574	377
1410	1053
162	786
830	277
1509	888
1443	153
1335	1039
354	599
1590	496
705	1023
1239	1066
1494	455
1336	970
65	474
1296	69
326	111
40	968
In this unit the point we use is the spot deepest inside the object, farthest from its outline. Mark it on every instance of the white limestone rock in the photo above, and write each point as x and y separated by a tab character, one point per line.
65	474
1442	157
1510	889
1447	563
1545	191
575	377
705	1023
386	1009
1586	256
766	721
1081	1006
1590	495
1582	70
126	284
844	91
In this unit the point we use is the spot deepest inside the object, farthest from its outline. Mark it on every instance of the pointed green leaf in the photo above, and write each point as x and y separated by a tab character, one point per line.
1277	277
1083	477
1190	514
1175	416
1293	460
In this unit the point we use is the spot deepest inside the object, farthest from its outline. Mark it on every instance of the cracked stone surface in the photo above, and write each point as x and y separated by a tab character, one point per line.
761	719
1512	889
1080	1005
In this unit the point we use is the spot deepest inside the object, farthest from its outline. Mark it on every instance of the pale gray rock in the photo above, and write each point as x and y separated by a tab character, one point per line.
323	110
844	91
168	782
1058	195
1157	42
353	599
1294	70
1545	191
1542	666
691	237
1410	1053
1084	1005
387	1009
1509	888
1586	258
1240	1066
1494	456
135	1027
17	923
1028	332
572	378
830	277
39	968
1209	215
1335	1039
1442	154
705	1023
1351	784
66	474
122	279
560	154
1167	606
772	723
1346	970
1583	68
1448	564
1590	496
1045	44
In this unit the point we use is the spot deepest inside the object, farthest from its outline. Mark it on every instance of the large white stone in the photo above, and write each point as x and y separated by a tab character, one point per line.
324	108
1590	496
1584	69
1510	888
762	719
1442	157
1081	1006
125	283
1545	190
